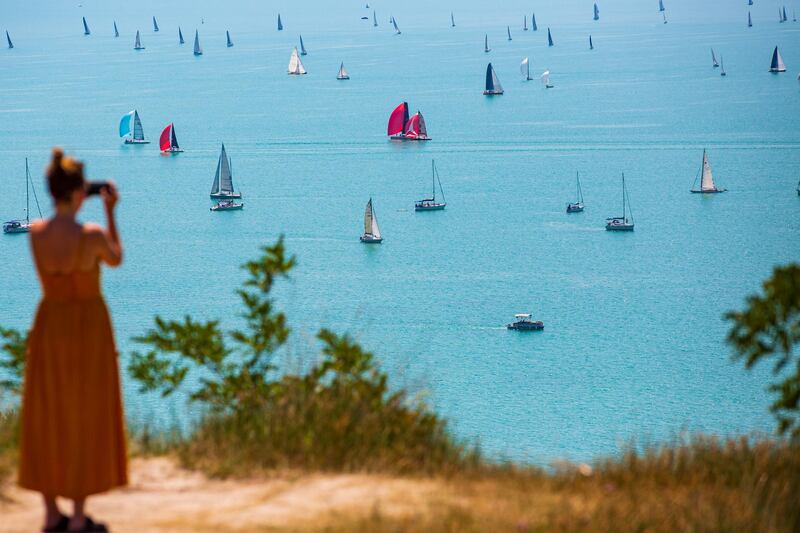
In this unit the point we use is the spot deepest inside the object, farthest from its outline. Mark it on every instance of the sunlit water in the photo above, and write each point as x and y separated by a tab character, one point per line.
634	340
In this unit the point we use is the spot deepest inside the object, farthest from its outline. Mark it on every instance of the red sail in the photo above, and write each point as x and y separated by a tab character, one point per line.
166	138
412	126
398	119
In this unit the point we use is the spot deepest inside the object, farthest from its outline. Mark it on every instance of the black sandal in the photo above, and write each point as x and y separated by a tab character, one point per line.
61	525
90	525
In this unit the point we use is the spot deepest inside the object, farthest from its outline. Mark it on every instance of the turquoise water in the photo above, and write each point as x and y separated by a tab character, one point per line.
634	340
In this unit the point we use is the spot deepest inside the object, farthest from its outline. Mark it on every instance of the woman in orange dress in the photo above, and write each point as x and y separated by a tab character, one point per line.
72	436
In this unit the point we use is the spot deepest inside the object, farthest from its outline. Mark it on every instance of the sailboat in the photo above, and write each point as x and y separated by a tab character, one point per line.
116	31
227	205
707	185
622	223
596	12
372	233
343	74
714	59
546	80
296	67
525	69
228	37
8	38
403	128
133	133
137	45
777	62
493	86
197	50
302	47
452	20
749	20
430	204
374	20
180	36
549	38
86	27
665	17
280	24
155	24
749	2
785	18
394	23
576	207
591	44
661	5
508	29
486	48
168	141
222	189
533	22
24	226
722	70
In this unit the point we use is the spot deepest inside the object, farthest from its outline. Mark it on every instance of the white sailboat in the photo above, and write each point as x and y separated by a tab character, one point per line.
577	206
525	69
524	22
8	38
343	74
623	223
493	86
508	29
545	77
228	37
707	185
222	189
452	20
116	31
722	67
155	24
86	27
430	204
776	65
180	36
302	47
24	226
137	45
486	43
372	233
130	127
374	20
394	23
714	61
296	67
197	50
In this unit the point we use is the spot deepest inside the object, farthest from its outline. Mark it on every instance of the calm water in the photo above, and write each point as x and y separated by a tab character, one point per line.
634	339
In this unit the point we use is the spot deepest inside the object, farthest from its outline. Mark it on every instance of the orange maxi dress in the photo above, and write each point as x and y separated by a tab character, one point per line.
72	435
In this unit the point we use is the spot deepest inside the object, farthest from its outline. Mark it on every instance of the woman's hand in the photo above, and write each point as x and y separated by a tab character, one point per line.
110	196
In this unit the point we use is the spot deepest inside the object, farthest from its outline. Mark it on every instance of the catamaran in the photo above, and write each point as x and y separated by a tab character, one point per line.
545	77
523	322
155	24
343	74
302	47
116	31
222	189
227	205
777	62
180	36
533	22
577	206
403	128
596	12
372	233
197	50
525	69
493	86
8	38
452	20
722	65
394	23
714	59
707	185
622	223
228	37
508	29
24	226
168	141
591	44
296	67
549	38
280	24
486	48
133	133
430	204
86	27
137	45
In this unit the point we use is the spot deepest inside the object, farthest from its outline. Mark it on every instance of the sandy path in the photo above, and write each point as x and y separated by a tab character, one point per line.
163	497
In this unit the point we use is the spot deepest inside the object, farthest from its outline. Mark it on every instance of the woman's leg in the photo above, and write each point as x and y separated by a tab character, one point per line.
78	516
52	515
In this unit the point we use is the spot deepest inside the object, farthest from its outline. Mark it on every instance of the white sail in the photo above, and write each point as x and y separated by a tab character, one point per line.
138	44
525	68
343	74
223	179
371	222
197	50
546	78
295	65
707	181
486	44
138	131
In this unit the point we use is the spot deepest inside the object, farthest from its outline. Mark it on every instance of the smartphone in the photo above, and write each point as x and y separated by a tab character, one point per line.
95	187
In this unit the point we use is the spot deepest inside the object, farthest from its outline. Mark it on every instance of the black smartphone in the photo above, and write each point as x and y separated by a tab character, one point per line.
95	187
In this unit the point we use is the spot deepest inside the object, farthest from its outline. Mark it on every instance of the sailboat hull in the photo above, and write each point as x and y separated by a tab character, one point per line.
428	206
492	93
16	227
225	196
136	141
619	227
370	239
342	77
710	191
575	208
234	207
401	137
171	151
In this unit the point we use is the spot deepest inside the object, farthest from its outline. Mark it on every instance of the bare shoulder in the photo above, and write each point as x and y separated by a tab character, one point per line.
92	229
38	227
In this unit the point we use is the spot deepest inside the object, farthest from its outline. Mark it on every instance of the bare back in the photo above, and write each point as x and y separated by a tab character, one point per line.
62	246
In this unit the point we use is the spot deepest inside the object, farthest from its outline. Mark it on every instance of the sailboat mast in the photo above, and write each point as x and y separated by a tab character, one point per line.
623	196
27	193
433	178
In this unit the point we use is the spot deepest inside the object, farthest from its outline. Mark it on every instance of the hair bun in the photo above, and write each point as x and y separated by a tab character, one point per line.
58	155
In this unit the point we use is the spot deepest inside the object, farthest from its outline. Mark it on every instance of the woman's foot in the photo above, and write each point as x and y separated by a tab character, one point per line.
59	523
87	524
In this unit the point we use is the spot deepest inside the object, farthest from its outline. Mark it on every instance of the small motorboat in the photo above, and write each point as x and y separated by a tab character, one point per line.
523	322
227	205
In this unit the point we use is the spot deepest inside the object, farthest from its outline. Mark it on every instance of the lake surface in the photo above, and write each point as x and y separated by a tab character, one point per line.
633	346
